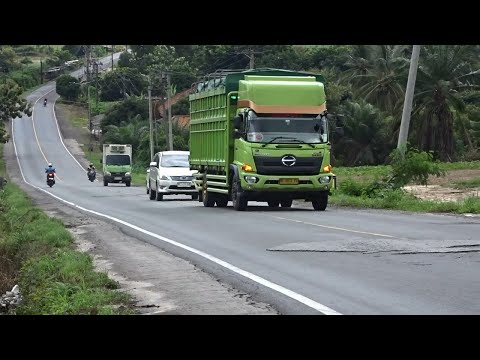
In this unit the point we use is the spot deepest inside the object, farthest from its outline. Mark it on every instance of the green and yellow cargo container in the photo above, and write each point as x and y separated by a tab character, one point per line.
261	135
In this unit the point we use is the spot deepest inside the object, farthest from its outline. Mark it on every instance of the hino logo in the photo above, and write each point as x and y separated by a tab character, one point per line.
289	160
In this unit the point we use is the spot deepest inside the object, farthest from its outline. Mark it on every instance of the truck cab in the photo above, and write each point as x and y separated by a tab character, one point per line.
117	164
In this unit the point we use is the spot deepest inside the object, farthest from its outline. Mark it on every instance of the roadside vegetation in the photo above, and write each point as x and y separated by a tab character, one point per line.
37	252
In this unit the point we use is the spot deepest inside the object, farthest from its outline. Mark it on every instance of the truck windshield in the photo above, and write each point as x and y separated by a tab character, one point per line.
309	130
117	160
175	161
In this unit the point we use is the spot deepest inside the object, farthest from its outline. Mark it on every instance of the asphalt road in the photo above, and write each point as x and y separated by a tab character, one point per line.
300	261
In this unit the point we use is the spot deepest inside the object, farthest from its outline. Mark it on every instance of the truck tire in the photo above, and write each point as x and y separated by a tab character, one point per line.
153	195
208	198
128	183
194	196
273	203
221	200
239	200
105	183
286	203
320	203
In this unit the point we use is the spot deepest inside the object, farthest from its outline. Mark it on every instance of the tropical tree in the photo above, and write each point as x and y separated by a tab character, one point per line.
444	74
68	87
12	105
380	78
366	140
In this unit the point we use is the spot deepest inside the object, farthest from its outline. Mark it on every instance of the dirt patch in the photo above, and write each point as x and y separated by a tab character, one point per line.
454	176
440	193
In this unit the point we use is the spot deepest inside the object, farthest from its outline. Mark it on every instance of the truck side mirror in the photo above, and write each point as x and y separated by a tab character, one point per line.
153	164
237	122
238	134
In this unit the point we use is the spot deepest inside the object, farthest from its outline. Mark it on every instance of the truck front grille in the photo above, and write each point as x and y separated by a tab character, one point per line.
267	165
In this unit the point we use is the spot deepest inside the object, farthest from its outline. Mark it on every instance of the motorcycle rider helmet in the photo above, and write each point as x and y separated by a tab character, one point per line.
50	165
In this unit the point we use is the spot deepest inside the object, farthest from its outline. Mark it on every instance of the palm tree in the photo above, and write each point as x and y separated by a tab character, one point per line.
379	74
445	71
366	140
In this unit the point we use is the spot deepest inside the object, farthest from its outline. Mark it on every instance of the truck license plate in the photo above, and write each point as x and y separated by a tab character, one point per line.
288	181
184	184
117	178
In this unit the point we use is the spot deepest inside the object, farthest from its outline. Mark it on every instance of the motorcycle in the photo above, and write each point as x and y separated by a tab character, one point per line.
50	179
44	104
91	175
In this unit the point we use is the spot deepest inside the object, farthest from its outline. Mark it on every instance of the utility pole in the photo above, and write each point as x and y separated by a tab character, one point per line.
407	105
87	60
41	72
252	59
150	117
170	134
95	64
112	57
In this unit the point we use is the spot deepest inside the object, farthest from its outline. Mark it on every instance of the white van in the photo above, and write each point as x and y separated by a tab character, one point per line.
170	174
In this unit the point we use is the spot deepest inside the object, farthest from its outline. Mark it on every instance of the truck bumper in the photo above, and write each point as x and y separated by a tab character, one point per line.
117	179
284	195
275	184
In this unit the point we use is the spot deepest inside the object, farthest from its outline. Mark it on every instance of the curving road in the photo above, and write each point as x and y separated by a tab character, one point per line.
300	261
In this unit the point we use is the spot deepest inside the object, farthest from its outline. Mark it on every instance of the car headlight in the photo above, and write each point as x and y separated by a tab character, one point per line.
107	173
164	177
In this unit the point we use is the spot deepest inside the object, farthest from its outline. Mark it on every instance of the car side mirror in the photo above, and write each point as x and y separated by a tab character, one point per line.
153	164
237	122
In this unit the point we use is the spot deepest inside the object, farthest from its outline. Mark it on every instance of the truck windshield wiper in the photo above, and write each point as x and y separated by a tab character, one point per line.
287	138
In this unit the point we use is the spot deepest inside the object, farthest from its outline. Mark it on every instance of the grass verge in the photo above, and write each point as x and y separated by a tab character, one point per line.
37	252
399	200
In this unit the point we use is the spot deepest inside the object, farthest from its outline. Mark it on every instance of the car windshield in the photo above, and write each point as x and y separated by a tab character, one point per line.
117	160
177	160
287	130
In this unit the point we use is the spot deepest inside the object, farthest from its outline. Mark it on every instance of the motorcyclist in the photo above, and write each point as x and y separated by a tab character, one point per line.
50	169
45	102
90	169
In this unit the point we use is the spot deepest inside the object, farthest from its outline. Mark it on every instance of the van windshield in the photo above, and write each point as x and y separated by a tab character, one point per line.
117	160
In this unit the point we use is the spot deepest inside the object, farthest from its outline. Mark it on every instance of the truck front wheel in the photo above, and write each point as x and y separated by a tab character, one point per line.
320	203
273	203
208	199
286	203
239	200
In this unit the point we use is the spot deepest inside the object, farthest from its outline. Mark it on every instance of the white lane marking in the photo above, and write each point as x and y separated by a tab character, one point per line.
35	131
291	294
333	227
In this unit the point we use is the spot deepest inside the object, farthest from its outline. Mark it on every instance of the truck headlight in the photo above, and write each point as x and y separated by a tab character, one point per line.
251	179
127	174
324	179
164	177
107	173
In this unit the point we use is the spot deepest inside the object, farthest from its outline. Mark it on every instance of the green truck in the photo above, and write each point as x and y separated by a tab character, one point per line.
261	135
117	164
